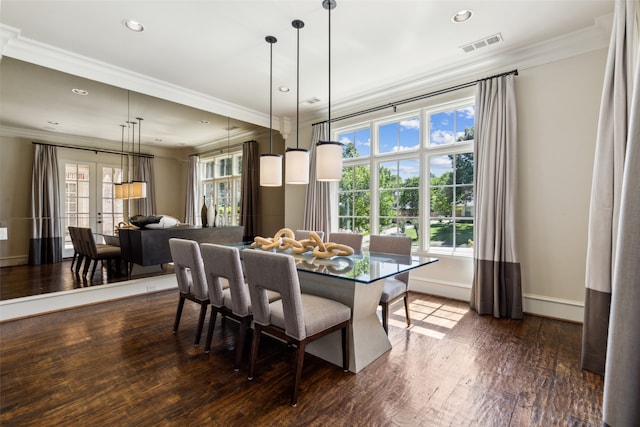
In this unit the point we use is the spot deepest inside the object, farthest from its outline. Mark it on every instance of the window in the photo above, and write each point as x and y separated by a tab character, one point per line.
220	179
354	205
382	190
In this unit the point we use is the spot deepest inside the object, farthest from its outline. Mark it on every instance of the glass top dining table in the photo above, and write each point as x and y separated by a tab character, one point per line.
357	281
362	266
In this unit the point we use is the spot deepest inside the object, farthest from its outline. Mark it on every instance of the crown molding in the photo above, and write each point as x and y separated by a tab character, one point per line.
563	47
25	49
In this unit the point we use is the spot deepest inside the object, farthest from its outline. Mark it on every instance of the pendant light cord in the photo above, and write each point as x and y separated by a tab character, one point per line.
271	95
329	129
298	90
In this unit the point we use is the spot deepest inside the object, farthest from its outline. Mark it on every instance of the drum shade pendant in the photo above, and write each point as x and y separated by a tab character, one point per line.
270	163
297	159
121	189
329	153
138	189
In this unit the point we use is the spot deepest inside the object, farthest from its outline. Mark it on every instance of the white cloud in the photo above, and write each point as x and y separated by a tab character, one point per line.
345	140
442	137
469	112
411	123
399	149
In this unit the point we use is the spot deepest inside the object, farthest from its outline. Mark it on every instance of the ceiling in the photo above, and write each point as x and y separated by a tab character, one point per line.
210	60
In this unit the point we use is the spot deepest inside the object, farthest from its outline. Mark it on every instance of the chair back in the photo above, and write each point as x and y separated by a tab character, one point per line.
353	240
397	245
87	242
224	262
304	234
188	266
275	272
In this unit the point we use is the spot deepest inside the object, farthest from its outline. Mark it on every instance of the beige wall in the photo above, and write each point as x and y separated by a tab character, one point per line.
558	107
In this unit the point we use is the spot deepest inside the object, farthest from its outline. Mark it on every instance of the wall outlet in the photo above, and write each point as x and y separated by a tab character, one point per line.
151	288
3	233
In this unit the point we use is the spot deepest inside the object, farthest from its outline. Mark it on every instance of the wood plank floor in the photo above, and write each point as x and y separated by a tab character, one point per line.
118	363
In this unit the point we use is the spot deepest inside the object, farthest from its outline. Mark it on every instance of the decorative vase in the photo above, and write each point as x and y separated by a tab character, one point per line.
211	215
203	212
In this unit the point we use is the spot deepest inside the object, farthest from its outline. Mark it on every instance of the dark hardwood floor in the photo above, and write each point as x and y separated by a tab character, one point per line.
118	363
26	280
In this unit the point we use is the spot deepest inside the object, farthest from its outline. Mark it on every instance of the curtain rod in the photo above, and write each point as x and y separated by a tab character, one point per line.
95	150
417	97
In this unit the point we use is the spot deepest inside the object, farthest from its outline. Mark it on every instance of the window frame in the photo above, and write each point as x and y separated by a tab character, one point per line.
422	154
233	181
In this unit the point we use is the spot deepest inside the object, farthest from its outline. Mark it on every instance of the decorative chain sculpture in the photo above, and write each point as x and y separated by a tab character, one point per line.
284	239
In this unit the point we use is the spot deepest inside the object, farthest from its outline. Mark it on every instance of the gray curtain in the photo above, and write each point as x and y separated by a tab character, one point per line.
45	245
617	229
144	172
496	287
608	168
250	186
317	207
191	215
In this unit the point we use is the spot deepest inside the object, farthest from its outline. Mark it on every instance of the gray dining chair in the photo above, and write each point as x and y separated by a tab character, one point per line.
228	292
353	240
297	318
396	287
192	283
304	234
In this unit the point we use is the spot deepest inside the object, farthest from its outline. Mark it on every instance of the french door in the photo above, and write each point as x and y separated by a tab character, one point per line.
88	198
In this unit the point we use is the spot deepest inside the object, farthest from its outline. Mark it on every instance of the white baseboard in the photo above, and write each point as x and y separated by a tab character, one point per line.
39	304
539	305
14	260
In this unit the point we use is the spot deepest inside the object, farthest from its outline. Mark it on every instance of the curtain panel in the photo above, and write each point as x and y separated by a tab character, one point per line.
611	331
496	287
45	245
317	207
191	215
144	172
250	183
604	210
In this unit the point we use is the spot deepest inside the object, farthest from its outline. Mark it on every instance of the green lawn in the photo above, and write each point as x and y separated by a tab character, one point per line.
442	234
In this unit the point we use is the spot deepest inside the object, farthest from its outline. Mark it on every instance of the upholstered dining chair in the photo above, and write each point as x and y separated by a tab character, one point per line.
228	292
297	318
192	283
96	252
78	255
304	234
353	240
396	287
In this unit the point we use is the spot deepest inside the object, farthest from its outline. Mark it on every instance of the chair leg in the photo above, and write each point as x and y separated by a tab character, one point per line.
203	316
212	324
73	261
85	270
255	343
79	263
95	264
385	317
406	309
345	348
297	371
242	336
178	314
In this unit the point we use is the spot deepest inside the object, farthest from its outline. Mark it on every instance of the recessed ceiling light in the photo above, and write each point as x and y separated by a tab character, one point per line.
80	92
283	89
462	16
133	25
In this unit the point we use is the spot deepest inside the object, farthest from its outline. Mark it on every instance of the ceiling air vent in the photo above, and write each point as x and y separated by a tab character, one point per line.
312	100
481	43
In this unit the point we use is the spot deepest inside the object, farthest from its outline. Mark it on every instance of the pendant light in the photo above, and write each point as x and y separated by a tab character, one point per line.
329	153
271	164
119	188
137	189
297	159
